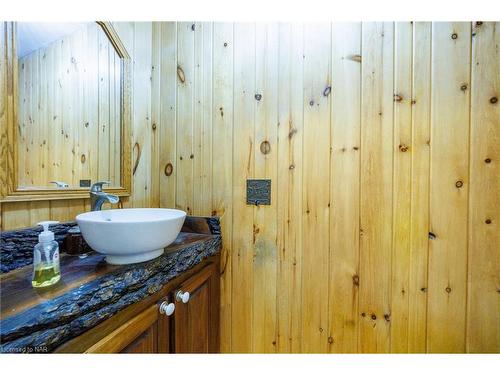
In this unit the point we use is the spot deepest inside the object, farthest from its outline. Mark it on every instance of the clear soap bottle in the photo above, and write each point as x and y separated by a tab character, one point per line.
46	270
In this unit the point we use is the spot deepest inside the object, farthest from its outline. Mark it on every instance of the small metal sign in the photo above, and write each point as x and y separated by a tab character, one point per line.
259	192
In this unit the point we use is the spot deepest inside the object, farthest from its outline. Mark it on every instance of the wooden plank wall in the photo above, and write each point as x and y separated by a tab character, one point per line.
382	231
68	95
137	38
381	141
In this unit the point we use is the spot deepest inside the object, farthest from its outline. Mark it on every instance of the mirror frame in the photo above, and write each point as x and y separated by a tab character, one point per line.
9	190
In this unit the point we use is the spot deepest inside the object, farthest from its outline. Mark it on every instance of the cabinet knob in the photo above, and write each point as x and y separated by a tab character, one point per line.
182	296
167	308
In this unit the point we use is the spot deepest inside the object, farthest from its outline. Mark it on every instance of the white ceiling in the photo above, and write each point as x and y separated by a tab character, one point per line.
34	35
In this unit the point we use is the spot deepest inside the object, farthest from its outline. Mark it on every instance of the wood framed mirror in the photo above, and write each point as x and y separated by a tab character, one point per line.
65	110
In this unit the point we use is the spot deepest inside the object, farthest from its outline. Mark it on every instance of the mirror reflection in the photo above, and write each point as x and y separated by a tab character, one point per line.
69	85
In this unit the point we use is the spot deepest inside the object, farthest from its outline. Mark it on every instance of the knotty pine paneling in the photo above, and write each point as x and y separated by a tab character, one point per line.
449	185
483	323
222	158
316	197
266	166
289	187
400	272
344	196
243	244
343	259
420	164
376	181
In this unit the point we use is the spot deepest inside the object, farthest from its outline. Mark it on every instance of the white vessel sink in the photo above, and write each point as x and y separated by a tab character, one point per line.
131	235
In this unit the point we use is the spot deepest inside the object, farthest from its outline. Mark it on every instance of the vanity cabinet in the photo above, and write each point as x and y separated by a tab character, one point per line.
195	321
150	326
141	334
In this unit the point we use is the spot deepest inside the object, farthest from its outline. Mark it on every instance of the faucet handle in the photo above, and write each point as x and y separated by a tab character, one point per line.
97	186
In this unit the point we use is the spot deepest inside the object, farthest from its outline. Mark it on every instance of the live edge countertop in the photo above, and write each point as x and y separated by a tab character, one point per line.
91	291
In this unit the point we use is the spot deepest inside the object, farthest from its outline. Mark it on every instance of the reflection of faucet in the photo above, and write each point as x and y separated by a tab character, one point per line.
60	184
98	197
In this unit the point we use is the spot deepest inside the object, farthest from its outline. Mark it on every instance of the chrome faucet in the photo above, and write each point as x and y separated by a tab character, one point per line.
98	196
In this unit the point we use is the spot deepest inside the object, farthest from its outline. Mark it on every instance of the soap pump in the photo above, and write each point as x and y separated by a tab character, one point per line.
46	270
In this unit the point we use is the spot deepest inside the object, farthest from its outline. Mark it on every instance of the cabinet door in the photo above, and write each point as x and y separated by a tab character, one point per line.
196	321
146	333
147	342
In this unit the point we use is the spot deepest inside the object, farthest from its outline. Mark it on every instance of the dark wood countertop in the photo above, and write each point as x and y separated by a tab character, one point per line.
17	294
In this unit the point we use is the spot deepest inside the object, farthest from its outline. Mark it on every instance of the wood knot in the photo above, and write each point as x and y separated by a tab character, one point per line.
154	126
291	166
363	314
448	289
320	330
180	157
327	91
180	74
459	184
423	289
398	98
169	168
488	221
479	23
258	97
403	148
355	148
374	317
494	100
265	147
137	147
432	236
330	339
291	133
487	160
387	317
214	213
221	112
86	124
191	156
193	26
355	280
356	58
83	158
225	44
311	103
463	87
274	342
454	36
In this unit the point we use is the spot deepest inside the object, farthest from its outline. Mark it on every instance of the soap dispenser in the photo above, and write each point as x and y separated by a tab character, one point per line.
46	270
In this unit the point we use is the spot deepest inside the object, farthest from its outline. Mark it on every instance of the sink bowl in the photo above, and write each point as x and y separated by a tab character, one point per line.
131	235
